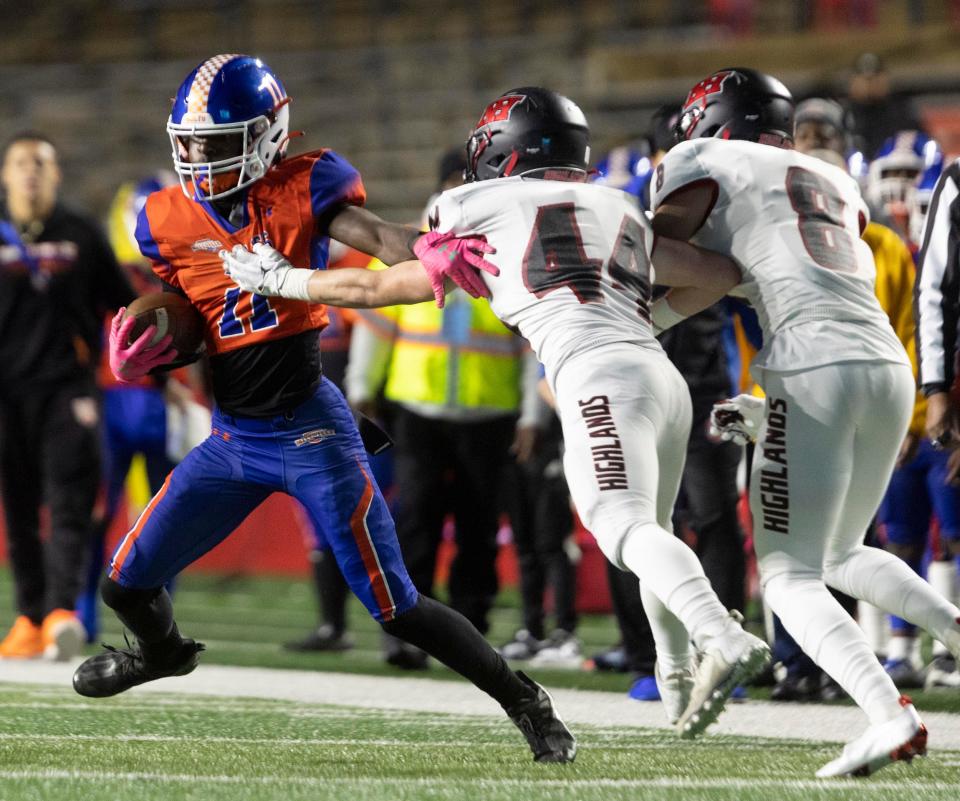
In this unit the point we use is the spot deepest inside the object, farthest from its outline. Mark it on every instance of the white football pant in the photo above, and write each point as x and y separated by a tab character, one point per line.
824	456
626	413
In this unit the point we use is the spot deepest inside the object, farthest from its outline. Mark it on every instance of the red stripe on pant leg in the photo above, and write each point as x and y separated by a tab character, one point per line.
128	541
361	535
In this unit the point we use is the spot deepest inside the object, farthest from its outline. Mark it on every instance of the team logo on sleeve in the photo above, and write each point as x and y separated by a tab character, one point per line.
499	110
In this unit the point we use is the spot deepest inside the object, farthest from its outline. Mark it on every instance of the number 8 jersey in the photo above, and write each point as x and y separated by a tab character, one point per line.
574	261
792	223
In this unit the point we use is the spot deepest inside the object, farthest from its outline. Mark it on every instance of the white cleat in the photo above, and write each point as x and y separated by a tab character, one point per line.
675	690
899	739
729	659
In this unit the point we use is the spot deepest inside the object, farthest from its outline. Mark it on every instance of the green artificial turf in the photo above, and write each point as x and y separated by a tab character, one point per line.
55	746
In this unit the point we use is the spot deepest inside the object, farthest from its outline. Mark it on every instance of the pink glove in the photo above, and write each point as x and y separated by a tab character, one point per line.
133	361
459	259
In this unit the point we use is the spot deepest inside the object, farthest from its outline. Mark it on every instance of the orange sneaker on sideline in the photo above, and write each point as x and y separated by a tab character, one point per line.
23	641
63	635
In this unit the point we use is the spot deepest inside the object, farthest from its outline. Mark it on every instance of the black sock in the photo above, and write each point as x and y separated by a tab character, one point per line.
148	614
331	591
449	637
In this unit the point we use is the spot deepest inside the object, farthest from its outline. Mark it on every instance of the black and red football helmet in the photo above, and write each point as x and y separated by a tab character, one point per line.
738	103
526	130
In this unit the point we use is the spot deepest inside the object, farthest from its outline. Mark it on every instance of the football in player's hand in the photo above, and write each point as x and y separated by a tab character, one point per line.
172	314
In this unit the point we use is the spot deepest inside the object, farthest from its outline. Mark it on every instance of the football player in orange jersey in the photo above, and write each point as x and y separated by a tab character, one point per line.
278	426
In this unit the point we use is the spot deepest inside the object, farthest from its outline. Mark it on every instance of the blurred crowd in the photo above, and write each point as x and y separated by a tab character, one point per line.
464	401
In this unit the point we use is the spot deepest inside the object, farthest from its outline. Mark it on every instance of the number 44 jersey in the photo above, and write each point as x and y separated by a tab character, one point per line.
793	224
574	261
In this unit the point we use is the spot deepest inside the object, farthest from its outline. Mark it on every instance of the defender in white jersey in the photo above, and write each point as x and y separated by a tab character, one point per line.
574	278
838	383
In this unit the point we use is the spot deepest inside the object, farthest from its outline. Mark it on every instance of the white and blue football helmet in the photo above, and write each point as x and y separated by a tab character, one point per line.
229	95
918	201
896	169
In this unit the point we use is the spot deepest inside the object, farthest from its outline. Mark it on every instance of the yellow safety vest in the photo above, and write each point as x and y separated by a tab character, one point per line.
460	355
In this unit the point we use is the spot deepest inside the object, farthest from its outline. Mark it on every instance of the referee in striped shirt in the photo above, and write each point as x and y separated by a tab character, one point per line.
937	302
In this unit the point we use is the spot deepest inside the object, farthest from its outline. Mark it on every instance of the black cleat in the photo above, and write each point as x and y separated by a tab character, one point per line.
117	670
548	736
324	638
403	655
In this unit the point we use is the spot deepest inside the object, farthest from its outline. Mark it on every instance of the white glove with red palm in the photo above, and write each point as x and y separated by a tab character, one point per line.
737	419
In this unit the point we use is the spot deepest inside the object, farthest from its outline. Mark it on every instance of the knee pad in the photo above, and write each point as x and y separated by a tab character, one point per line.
122	599
778	564
610	533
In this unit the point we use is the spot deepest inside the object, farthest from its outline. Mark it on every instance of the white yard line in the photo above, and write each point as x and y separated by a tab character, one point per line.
840	785
753	718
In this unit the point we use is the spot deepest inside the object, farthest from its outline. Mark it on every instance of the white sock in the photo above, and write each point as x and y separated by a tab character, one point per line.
900	647
669	635
667	568
874	575
874	624
943	578
833	640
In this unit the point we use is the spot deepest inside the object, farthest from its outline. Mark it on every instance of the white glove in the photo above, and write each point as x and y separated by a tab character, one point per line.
265	272
737	419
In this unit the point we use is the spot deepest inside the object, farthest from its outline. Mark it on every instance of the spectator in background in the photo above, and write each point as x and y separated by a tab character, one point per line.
58	277
542	523
877	114
464	390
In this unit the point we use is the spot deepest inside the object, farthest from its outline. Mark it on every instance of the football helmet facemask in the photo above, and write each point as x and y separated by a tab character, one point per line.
525	131
898	168
738	103
231	111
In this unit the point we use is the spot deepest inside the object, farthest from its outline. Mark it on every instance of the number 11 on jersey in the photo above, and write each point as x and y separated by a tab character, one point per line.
262	314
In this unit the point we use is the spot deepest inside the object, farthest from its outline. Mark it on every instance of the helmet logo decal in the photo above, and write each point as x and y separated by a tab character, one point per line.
696	101
270	84
708	86
203	80
499	110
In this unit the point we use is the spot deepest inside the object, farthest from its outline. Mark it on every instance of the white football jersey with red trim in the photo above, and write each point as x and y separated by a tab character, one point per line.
793	224
574	260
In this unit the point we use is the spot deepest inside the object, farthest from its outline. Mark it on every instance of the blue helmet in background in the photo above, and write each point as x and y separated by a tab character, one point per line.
918	200
895	170
229	96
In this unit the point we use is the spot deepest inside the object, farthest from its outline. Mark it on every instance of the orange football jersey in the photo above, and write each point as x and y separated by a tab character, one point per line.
182	238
